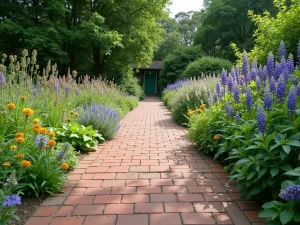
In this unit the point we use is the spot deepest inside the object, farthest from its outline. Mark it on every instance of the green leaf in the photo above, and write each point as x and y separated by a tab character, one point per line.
286	167
294	143
86	138
286	148
266	213
286	184
286	216
274	171
74	135
293	173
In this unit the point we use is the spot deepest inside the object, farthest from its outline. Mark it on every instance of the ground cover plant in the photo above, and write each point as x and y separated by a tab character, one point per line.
40	126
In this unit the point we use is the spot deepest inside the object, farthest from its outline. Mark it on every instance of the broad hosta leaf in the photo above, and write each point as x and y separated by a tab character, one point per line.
286	216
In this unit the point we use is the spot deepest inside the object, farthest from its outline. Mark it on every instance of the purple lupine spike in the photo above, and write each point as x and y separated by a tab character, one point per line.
230	84
61	156
2	79
298	90
237	74
228	110
254	65
291	193
298	53
267	99
272	85
258	83
237	117
277	71
218	88
67	89
222	92
253	74
215	97
282	51
176	85
294	80
245	66
35	92
292	101
290	64
281	86
270	65
236	94
223	77
261	120
249	101
284	69
264	74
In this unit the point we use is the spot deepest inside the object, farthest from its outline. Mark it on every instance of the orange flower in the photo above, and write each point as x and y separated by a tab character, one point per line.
19	140
65	166
20	134
202	106
216	137
52	134
13	147
46	147
27	111
20	156
25	163
69	119
23	97
36	120
51	143
6	164
36	128
12	106
43	130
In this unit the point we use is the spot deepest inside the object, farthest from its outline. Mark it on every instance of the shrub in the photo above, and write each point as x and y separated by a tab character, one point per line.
101	117
130	84
64	152
206	65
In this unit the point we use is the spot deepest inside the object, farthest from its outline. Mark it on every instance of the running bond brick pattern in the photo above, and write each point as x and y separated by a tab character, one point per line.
150	174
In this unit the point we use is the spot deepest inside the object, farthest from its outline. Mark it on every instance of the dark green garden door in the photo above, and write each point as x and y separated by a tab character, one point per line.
150	83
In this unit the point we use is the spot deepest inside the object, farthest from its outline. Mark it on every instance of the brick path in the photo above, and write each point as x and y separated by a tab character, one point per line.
149	175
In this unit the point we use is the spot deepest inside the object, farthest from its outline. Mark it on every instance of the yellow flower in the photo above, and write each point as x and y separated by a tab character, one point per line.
72	112
216	137
6	164
43	130
36	128
12	106
13	147
69	119
202	106
27	111
20	135
25	163
76	114
19	140
20	156
51	143
36	120
52	134
23	97
65	166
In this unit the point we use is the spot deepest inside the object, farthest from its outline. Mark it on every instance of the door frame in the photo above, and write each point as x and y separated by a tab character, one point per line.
152	71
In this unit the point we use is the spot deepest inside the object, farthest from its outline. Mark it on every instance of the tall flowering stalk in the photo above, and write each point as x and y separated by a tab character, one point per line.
261	120
245	67
249	101
281	86
267	99
270	65
282	50
292	102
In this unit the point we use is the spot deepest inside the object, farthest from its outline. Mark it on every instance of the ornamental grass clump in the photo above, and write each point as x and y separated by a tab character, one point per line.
101	117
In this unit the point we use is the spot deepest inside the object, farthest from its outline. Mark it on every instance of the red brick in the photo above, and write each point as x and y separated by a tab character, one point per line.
139	169
163	198
184	182
219	189
78	191
97	191
137	183
100	199
53	201
213	197
253	216
96	170
82	210
166	218
89	183
174	189
149	190
104	176
159	168
123	190
113	183
103	220
179	207
149	208
208	182
171	175
118	169
198	218
209	207
65	211
199	189
137	198
46	211
118	209
66	221
248	205
149	175
222	218
190	197
79	200
125	176
161	182
132	219
39	221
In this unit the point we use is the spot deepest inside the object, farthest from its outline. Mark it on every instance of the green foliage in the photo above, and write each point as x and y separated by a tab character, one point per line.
206	65
175	63
130	85
70	153
79	136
